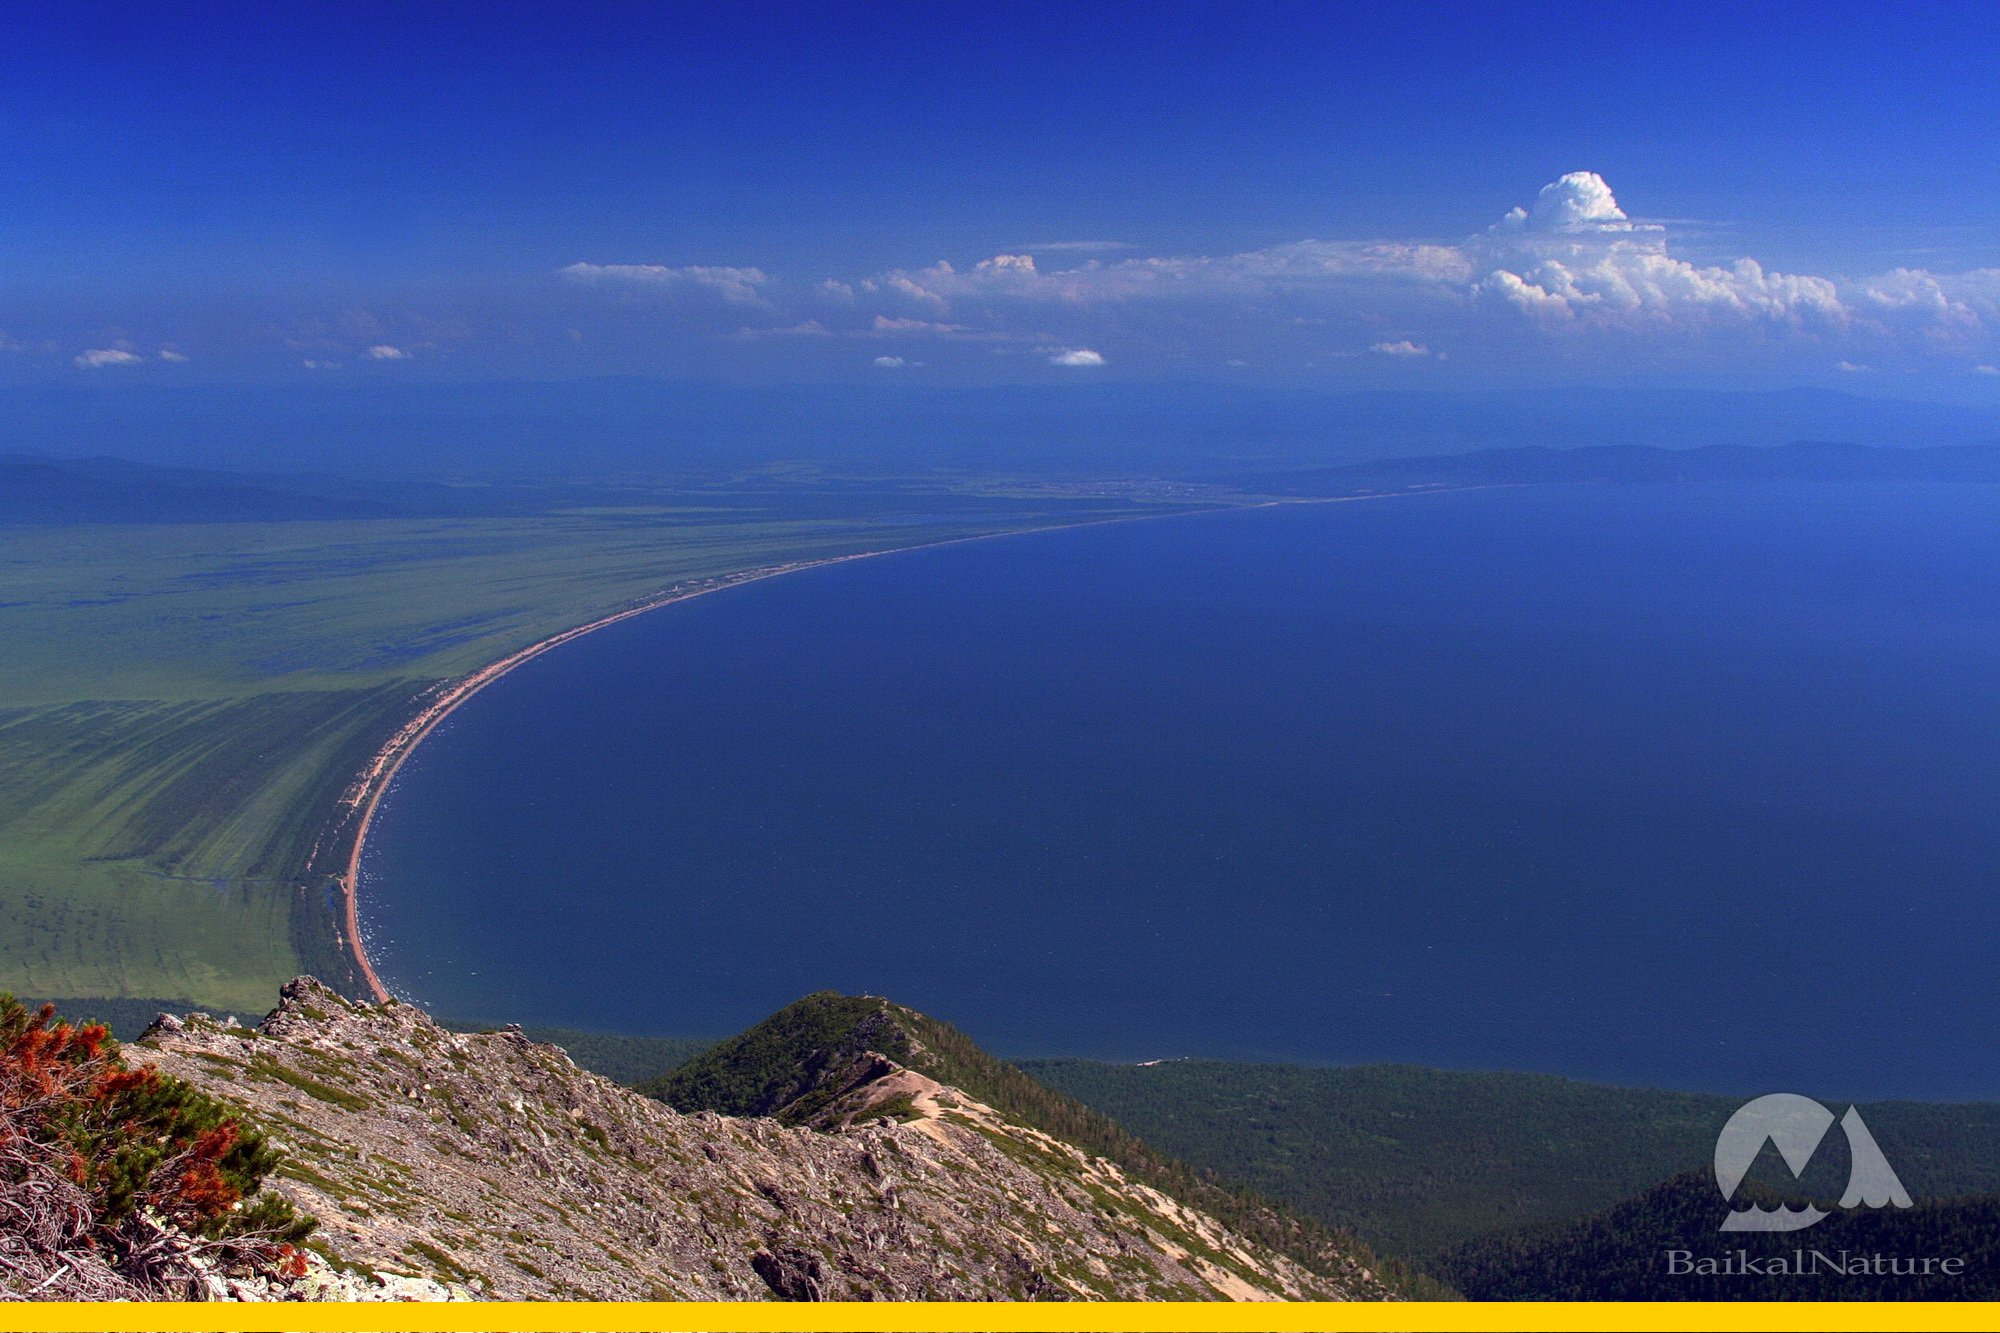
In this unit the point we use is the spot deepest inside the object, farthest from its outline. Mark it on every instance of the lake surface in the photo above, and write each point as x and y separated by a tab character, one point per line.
1693	786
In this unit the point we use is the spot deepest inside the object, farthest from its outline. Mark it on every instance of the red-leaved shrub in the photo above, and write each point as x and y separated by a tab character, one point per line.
122	1183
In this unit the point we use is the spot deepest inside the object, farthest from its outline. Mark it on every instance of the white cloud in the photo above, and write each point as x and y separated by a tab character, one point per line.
311	363
384	352
915	290
1077	356
885	324
1986	370
1851	368
1578	201
731	284
99	357
1575	260
1946	310
169	354
1299	265
891	362
1317	261
1633	286
1572	264
880	326
1078	247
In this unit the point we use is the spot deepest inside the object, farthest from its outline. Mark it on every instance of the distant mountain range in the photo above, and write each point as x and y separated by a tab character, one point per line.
44	490
1634	463
652	430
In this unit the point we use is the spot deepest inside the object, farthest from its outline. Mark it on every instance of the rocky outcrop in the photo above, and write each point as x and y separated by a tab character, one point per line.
492	1166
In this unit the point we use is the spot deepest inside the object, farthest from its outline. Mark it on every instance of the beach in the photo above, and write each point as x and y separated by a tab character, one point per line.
369	786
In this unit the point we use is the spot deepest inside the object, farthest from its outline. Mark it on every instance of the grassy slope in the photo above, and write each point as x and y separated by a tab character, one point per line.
181	705
1418	1160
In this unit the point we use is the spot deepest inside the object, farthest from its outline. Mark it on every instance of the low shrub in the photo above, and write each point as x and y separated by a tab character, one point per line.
119	1183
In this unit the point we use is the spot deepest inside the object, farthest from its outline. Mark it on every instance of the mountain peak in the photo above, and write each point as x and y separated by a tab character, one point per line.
826	1061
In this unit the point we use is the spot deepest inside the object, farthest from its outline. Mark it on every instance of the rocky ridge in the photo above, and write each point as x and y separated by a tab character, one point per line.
487	1165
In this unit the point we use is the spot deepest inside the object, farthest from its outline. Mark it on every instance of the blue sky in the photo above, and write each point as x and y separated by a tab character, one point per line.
1287	194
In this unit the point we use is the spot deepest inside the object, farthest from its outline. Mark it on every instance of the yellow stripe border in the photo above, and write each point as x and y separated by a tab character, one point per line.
997	1317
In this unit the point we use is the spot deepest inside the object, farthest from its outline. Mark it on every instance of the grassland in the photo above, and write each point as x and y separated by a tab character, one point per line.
182	704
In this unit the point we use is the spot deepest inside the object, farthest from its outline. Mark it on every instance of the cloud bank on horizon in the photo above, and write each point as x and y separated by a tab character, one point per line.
1572	268
1567	285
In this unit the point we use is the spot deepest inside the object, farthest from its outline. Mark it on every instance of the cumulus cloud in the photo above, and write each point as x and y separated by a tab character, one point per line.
1401	347
99	357
731	284
1076	356
891	362
884	324
1577	201
914	290
1576	260
385	352
1948	310
1632	286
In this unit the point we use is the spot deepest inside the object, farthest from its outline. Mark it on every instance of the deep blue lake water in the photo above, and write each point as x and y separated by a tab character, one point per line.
1693	786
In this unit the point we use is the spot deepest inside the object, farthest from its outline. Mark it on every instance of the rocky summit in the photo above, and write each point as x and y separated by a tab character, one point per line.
492	1167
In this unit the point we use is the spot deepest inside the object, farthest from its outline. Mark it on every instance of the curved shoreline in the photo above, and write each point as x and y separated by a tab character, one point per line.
365	793
372	783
